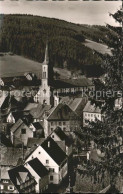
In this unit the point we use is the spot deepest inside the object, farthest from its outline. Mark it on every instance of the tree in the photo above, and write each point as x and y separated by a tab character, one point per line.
108	134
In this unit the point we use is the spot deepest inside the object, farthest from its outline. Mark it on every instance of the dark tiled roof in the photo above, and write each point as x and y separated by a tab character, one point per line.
53	150
62	136
18	176
5	141
38	167
37	125
62	112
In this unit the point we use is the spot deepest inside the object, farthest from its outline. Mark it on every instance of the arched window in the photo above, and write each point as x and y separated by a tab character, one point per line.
44	75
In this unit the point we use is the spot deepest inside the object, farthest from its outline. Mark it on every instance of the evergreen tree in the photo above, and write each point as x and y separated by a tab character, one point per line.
108	134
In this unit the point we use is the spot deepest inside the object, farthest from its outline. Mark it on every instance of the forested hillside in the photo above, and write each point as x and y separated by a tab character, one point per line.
27	35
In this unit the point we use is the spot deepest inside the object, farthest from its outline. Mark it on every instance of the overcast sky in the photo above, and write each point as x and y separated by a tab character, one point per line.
82	12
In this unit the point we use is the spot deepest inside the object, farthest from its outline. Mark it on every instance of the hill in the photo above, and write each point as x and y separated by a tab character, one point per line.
26	35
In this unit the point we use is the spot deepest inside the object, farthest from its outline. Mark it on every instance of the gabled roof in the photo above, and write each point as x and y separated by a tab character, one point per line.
19	175
16	125
91	108
39	111
61	112
38	167
77	105
53	150
59	132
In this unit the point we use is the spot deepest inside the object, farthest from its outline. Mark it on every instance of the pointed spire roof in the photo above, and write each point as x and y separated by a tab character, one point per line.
46	59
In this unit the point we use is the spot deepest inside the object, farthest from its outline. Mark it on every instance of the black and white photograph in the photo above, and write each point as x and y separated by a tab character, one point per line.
61	82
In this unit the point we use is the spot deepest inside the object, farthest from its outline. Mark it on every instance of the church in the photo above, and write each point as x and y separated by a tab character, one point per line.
29	75
45	93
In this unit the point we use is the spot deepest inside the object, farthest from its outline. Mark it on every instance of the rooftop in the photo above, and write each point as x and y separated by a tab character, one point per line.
53	150
92	108
38	167
39	111
34	141
62	136
62	112
19	175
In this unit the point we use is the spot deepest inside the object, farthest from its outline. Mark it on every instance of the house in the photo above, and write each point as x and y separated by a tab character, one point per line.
37	111
91	112
77	104
20	133
38	129
64	117
73	86
6	186
22	179
58	135
40	173
9	158
52	157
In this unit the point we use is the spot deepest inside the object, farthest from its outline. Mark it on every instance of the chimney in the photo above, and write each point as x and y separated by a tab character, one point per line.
48	144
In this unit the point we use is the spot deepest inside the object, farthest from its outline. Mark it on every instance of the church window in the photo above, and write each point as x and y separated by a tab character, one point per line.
44	75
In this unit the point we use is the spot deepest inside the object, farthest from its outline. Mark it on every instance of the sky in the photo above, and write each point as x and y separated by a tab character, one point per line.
81	12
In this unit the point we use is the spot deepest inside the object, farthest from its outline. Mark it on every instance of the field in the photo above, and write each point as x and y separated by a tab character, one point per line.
101	48
14	65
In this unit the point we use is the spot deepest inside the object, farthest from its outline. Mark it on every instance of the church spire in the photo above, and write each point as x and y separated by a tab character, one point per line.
46	59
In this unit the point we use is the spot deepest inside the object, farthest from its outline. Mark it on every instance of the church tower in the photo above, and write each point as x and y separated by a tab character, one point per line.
45	88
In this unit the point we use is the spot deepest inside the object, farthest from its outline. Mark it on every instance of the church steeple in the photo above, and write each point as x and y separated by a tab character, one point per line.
46	59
